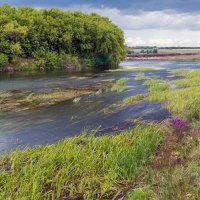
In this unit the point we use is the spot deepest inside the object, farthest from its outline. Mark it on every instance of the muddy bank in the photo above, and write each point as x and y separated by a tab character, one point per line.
18	100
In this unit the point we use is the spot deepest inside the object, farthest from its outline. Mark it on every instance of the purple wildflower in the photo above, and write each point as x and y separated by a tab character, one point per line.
179	125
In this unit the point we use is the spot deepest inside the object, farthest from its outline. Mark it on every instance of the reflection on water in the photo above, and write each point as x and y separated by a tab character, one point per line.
48	125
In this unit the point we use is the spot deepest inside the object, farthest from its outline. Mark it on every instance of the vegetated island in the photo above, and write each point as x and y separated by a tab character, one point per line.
32	39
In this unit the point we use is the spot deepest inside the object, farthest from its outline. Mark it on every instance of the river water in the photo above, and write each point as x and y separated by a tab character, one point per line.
50	124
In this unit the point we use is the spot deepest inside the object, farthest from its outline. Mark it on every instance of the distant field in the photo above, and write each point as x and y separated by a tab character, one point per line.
169	51
162	54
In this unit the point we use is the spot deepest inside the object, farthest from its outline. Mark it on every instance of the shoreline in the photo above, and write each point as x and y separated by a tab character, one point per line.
164	57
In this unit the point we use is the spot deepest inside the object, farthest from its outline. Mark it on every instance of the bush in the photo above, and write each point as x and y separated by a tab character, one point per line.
47	60
3	60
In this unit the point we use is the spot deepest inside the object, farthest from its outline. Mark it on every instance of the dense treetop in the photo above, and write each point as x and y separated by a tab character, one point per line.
40	34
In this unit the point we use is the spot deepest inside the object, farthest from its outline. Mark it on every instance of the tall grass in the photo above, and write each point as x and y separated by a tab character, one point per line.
83	166
120	85
134	99
141	69
185	102
140	77
156	86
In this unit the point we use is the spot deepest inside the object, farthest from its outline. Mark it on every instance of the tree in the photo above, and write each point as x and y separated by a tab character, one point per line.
33	33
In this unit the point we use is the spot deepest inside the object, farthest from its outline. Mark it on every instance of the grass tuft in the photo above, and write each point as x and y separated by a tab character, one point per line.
134	99
142	69
120	85
140	77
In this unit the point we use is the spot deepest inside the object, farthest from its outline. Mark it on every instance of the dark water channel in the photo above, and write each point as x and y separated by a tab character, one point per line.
50	124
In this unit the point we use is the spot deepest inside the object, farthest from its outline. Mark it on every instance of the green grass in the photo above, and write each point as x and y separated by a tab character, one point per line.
143	69
134	99
141	194
184	102
132	69
180	72
192	79
140	77
119	85
188	82
179	180
157	86
195	59
89	167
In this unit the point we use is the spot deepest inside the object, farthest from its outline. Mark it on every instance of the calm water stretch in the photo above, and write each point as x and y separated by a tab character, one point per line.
50	124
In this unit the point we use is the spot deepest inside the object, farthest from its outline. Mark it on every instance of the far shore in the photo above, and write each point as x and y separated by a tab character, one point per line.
177	56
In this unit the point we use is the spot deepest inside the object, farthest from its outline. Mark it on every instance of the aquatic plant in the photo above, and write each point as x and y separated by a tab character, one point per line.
142	69
184	101
120	84
140	77
156	86
134	99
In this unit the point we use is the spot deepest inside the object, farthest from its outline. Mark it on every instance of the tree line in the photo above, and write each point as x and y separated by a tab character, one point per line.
50	38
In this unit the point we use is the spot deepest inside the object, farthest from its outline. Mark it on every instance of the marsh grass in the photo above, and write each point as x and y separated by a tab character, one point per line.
141	193
157	86
140	77
132	100
119	85
82	166
142	69
195	59
184	102
192	79
180	72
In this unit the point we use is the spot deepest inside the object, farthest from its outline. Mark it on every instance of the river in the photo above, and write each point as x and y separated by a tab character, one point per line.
50	124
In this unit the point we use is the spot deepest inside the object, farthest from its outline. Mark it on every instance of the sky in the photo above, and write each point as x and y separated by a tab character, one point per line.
144	22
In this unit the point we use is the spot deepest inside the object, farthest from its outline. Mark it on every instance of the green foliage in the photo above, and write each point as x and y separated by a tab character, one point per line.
25	32
3	60
156	86
84	166
140	194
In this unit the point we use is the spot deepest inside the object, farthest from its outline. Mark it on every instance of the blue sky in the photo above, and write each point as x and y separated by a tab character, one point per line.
145	22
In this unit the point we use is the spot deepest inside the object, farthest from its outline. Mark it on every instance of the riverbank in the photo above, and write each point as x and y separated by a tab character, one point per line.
174	56
151	161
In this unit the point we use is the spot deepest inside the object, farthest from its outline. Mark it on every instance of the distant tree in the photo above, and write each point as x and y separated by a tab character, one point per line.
155	51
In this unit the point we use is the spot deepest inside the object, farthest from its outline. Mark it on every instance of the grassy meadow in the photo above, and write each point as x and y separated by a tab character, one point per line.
83	166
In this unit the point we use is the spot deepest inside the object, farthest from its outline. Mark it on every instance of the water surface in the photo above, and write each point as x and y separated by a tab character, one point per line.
50	124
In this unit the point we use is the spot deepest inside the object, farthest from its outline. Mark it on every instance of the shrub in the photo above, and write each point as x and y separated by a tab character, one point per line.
3	60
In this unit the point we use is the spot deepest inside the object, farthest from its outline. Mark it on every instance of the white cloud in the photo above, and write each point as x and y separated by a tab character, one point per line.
130	41
166	19
157	28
